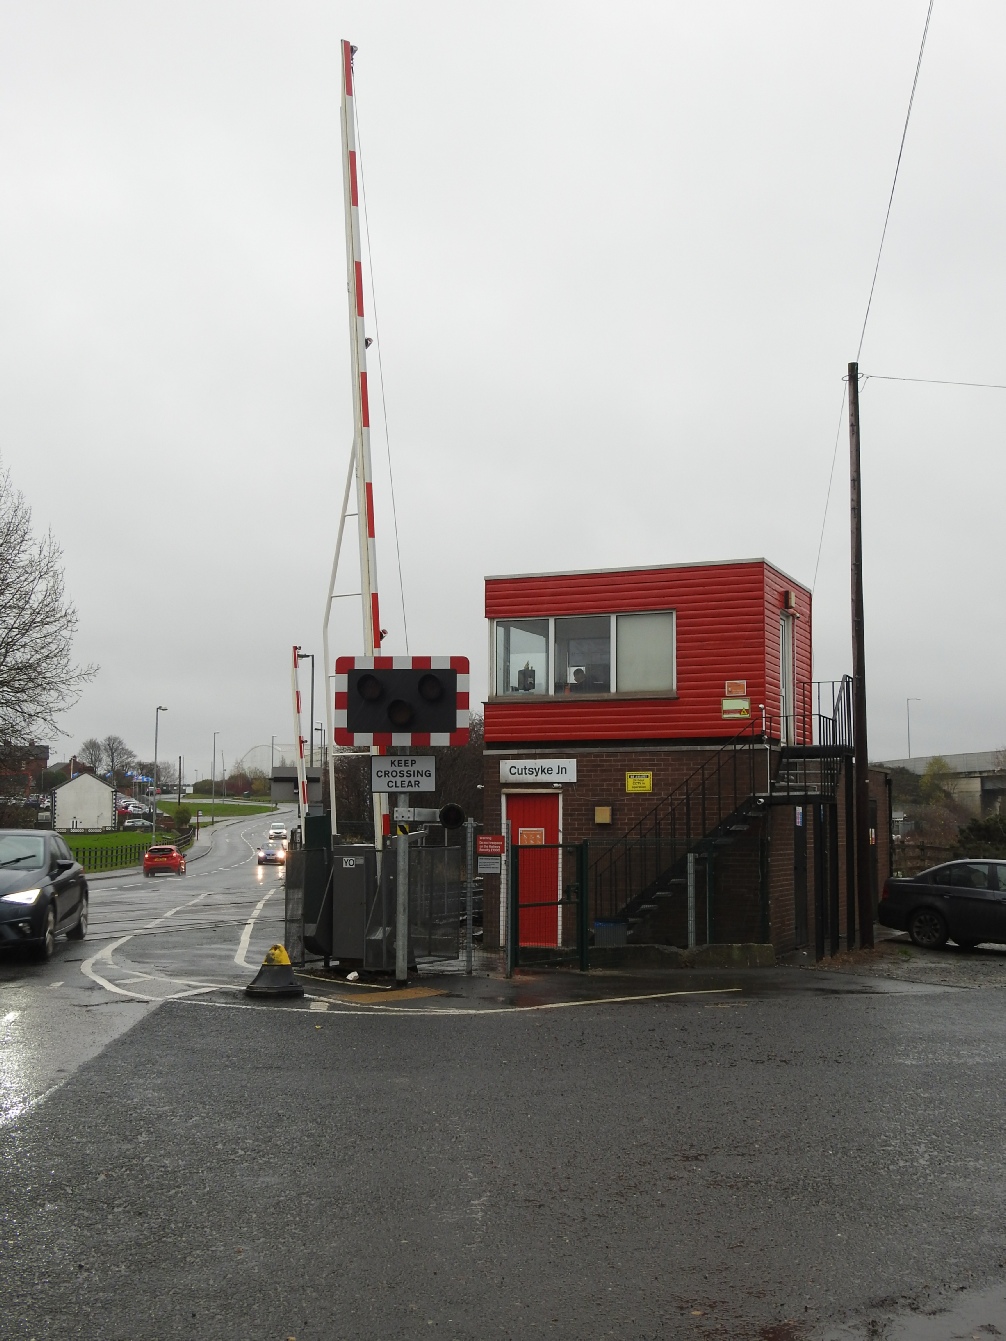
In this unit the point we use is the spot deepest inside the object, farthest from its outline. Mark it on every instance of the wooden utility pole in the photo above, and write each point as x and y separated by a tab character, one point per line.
862	754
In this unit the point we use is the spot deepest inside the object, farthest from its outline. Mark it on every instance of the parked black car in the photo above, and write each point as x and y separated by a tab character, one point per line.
964	901
43	892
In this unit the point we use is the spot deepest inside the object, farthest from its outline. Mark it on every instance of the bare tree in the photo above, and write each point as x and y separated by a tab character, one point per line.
117	756
92	753
38	679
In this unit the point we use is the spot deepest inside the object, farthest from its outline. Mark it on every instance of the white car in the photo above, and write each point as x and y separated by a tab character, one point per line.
278	834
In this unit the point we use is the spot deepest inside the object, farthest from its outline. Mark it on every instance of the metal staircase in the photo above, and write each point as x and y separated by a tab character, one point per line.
643	877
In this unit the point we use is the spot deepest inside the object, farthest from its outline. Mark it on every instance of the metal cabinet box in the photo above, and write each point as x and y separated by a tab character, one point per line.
354	880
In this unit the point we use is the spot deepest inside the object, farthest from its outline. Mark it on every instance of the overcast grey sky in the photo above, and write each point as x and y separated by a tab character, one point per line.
621	256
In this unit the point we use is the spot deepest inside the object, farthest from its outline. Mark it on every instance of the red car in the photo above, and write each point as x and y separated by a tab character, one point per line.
163	858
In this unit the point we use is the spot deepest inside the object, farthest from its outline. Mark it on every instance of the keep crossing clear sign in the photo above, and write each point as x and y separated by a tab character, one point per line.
403	773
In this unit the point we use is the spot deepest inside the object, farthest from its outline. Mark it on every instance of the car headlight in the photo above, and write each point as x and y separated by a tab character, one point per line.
21	896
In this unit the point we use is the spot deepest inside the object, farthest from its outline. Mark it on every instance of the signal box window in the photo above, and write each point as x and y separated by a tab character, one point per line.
583	655
645	652
522	656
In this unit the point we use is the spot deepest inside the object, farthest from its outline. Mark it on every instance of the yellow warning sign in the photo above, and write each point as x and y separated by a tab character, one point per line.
639	782
735	708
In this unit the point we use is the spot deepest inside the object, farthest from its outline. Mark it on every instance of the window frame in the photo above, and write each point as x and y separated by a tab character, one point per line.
497	696
647	693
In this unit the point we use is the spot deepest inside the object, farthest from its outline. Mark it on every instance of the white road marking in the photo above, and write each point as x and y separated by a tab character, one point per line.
249	927
88	969
354	1008
195	988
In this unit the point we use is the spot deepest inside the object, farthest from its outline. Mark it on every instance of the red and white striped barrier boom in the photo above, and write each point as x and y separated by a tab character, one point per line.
358	346
361	403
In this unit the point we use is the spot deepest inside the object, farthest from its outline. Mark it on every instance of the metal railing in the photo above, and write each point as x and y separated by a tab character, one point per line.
703	804
772	759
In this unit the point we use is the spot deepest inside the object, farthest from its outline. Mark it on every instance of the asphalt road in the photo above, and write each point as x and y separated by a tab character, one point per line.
148	939
766	1155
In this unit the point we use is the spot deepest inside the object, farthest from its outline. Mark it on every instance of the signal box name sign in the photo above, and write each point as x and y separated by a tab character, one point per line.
403	773
537	770
401	701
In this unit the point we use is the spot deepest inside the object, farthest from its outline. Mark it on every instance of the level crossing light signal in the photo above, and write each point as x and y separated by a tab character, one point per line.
401	701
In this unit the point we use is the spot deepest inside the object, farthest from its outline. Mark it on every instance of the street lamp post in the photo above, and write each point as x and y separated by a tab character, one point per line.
311	718
908	714
213	781
153	818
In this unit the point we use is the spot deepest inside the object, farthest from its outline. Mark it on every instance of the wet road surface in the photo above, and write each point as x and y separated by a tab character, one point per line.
774	1155
148	939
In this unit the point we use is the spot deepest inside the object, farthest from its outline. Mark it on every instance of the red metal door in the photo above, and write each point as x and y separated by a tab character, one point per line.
534	824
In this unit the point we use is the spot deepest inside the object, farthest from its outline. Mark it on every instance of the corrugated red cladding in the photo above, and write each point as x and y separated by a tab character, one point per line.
727	628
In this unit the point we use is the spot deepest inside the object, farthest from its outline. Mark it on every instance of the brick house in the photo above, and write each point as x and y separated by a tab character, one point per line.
661	726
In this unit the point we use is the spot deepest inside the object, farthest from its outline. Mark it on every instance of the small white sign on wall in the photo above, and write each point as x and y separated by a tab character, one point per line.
537	770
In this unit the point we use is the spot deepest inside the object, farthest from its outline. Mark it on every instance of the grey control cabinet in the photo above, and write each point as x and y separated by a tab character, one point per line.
345	912
354	880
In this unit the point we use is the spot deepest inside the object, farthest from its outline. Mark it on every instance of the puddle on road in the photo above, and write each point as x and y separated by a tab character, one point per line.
974	1315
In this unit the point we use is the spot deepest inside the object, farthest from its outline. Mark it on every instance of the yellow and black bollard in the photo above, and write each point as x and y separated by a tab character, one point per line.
275	977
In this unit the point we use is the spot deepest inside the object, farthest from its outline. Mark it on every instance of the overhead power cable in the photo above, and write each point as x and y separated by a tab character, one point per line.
873	282
831	480
894	183
932	381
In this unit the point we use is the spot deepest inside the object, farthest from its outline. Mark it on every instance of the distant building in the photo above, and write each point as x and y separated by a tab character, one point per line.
22	769
85	802
72	767
977	781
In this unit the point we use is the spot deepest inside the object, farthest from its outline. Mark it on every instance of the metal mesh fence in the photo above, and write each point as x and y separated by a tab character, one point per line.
436	902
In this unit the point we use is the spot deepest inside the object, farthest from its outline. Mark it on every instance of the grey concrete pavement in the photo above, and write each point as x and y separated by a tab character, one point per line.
766	1164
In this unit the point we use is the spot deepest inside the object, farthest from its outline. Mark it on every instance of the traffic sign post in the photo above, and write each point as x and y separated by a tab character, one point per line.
469	892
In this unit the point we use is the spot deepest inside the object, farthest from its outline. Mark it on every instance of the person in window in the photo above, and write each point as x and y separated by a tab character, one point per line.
579	680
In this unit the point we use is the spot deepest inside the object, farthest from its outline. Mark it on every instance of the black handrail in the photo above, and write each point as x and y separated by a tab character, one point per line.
720	796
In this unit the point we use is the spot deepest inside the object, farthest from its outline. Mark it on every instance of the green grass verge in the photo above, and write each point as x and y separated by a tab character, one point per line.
111	851
90	842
